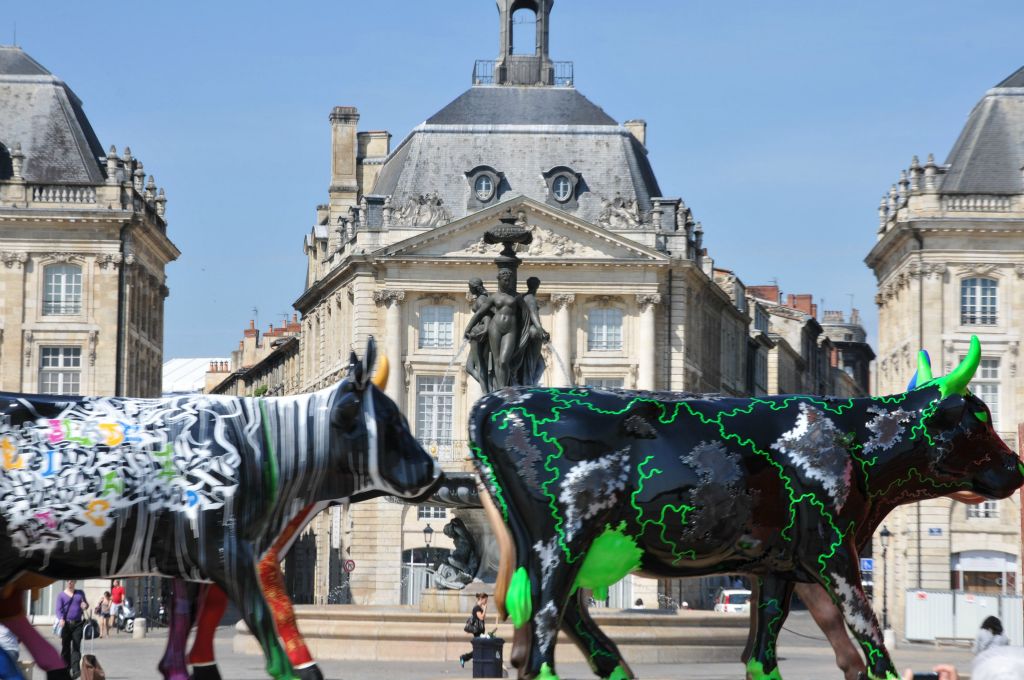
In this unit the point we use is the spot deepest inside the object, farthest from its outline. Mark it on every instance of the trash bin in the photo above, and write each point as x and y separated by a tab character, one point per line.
487	657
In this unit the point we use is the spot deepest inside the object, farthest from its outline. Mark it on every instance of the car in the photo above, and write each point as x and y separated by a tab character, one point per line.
733	601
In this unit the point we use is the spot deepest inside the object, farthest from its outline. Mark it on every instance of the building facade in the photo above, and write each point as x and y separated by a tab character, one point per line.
628	292
83	247
949	261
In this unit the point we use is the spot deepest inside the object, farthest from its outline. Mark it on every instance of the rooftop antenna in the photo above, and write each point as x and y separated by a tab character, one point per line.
15	43
851	302
256	316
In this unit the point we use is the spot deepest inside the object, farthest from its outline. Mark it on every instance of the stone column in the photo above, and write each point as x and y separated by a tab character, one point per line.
646	347
394	342
562	336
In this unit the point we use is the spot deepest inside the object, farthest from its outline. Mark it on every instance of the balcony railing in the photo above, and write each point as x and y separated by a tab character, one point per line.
63	194
977	203
446	450
523	70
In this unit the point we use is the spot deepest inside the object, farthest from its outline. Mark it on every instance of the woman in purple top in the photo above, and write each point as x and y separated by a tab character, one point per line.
70	611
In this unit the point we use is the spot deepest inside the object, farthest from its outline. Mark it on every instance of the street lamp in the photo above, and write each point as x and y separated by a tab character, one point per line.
428	534
883	536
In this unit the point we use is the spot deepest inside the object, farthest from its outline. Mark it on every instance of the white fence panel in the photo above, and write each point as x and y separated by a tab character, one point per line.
929	614
933	614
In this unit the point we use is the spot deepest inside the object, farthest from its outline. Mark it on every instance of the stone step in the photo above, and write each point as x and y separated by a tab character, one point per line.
377	634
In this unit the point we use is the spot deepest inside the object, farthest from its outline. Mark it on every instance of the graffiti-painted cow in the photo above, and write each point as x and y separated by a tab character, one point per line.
197	488
594	484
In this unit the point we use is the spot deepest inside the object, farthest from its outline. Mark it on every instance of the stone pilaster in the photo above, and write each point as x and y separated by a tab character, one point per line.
393	341
645	351
563	337
377	551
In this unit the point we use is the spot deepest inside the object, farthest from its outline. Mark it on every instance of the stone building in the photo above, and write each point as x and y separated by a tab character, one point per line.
83	247
627	292
949	261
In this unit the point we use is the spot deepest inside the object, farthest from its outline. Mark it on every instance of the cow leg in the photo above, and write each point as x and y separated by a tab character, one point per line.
212	603
771	606
243	587
172	666
830	620
841	579
602	654
272	581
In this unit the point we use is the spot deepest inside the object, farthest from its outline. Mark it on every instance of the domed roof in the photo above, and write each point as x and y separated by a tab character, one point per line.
523	134
989	155
42	115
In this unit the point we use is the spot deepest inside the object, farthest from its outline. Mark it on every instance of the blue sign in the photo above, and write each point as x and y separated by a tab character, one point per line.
934	531
867	564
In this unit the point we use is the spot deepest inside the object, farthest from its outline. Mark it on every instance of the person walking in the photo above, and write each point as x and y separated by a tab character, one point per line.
70	611
116	598
103	610
989	635
476	624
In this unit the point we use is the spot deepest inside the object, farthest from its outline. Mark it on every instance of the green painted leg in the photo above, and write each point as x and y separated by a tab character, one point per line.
755	671
546	673
619	674
278	665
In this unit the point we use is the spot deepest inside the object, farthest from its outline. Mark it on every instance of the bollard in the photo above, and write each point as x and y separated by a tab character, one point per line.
889	638
139	631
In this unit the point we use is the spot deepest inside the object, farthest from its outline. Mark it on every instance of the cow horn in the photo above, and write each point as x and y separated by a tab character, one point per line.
956	382
380	376
924	368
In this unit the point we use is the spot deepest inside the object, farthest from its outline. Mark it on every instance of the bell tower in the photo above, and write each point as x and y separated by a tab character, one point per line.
524	69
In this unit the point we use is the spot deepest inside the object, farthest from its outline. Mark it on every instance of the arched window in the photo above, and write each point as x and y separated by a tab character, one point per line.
436	326
604	329
978	301
62	294
524	31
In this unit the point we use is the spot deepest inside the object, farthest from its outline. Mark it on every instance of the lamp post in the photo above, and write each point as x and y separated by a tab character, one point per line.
884	535
428	535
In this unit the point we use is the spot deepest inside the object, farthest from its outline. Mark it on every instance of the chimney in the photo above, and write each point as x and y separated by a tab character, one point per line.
344	147
638	128
251	331
769	293
803	302
374	144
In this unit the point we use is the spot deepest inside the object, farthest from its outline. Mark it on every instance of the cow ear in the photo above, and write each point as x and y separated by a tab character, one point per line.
370	357
639	421
355	368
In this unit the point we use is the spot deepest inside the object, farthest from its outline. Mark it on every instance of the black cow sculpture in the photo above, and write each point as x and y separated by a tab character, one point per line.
595	484
196	487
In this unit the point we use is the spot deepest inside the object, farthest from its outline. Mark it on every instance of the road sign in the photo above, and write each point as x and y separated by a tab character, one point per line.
349	566
867	564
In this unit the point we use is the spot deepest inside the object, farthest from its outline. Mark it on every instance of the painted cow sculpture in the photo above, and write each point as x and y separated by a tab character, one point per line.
586	486
198	488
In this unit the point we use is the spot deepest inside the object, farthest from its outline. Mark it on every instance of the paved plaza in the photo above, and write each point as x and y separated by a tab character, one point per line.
804	656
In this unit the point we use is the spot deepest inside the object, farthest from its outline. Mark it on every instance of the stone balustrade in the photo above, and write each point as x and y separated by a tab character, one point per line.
977	203
46	193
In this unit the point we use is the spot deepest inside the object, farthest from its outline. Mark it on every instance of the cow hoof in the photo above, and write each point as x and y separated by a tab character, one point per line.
310	673
60	674
206	672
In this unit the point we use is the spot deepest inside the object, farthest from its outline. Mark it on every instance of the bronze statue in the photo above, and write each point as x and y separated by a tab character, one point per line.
478	364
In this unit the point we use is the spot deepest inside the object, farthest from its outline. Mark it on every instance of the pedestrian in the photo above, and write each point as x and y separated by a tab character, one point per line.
70	611
998	663
989	635
475	624
9	642
103	610
9	651
116	598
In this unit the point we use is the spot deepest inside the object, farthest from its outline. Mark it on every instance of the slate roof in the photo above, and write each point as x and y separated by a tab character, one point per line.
40	112
521	132
989	154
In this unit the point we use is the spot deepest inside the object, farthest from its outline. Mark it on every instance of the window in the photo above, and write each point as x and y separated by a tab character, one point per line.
604	329
63	293
484	188
986	509
60	370
434	409
562	188
978	301
431	512
436	322
986	387
605	383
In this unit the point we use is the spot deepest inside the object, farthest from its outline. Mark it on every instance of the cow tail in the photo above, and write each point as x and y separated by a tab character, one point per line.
506	549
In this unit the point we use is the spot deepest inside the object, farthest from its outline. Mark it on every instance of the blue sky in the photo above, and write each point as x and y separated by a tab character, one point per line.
780	124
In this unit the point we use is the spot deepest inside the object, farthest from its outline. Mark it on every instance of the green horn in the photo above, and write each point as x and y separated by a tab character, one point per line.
924	367
957	381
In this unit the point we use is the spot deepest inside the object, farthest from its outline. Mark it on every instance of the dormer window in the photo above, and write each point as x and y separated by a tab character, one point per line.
564	187
485	186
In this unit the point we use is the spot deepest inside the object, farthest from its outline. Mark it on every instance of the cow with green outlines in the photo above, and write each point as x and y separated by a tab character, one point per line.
586	486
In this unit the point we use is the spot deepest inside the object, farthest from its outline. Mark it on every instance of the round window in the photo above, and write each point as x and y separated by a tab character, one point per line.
484	187
562	188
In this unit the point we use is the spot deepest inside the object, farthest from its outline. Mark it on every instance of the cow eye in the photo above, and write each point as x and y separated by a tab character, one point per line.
346	412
